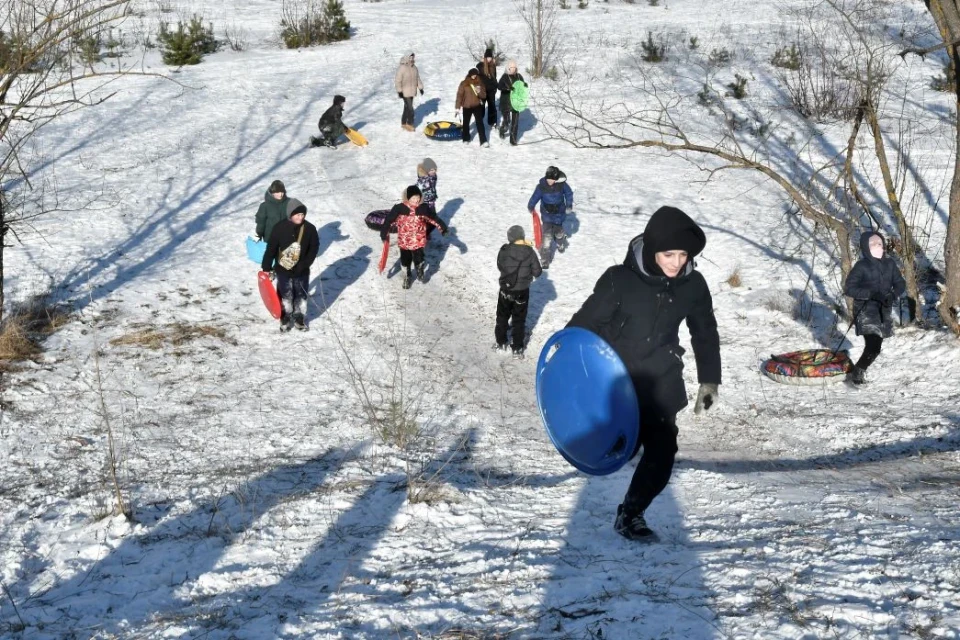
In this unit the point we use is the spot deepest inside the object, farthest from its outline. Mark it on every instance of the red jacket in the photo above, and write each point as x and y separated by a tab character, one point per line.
411	225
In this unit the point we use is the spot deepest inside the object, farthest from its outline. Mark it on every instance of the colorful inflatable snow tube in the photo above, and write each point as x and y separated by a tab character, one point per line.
813	366
443	130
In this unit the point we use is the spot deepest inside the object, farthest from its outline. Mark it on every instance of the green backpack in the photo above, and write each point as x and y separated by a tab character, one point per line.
519	95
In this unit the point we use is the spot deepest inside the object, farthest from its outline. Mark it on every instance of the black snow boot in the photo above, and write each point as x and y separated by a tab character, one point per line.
407	280
632	527
856	377
299	322
422	271
286	323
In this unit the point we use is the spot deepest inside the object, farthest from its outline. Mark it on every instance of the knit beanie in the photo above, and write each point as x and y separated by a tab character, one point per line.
277	187
488	53
514	233
294	207
338	100
473	73
428	165
413	190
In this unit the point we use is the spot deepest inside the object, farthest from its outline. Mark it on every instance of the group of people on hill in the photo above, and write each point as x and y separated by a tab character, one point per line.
636	307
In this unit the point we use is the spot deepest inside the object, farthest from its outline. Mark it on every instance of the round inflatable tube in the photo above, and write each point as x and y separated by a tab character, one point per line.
374	220
443	130
809	367
587	401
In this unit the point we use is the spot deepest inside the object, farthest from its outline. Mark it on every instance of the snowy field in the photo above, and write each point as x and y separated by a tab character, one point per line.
266	506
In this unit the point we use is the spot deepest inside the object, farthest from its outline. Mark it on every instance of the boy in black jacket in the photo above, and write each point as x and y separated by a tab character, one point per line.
291	250
518	265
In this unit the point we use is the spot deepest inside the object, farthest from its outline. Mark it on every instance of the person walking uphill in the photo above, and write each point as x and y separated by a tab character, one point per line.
408	82
290	253
331	123
470	95
509	117
427	181
874	283
518	265
637	307
555	197
272	210
411	217
488	76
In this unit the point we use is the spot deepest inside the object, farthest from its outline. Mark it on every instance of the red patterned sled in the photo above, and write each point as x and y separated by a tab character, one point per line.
813	366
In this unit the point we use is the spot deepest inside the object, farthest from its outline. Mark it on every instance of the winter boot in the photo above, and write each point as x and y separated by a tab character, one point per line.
632	527
299	323
407	280
856	377
500	348
503	132
286	323
562	244
422	271
518	353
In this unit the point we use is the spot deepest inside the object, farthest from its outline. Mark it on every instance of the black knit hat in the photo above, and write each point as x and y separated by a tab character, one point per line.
514	233
488	53
339	100
414	190
553	173
473	73
277	187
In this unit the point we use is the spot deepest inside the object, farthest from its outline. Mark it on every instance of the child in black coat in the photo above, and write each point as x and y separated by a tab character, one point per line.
518	265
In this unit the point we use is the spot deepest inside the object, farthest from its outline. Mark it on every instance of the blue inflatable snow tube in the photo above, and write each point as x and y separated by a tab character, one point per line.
587	401
256	249
443	130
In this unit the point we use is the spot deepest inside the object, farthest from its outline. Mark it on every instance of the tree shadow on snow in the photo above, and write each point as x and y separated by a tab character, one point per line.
336	277
424	109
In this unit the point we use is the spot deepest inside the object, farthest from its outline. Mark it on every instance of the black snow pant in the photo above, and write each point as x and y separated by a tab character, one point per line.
658	435
411	255
477	114
509	120
292	291
870	351
512	307
491	106
407	117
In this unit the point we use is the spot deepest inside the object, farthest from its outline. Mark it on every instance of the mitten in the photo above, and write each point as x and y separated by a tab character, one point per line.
400	94
421	91
706	397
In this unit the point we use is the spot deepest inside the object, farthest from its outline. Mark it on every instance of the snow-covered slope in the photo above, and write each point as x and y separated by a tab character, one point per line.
266	506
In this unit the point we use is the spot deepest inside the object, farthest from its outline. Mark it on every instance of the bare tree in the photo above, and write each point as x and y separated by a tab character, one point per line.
946	15
859	187
540	17
49	66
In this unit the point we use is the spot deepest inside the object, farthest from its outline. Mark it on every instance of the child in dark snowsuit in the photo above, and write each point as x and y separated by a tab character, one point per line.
331	124
291	250
638	307
272	210
555	197
427	181
411	218
510	118
873	283
518	265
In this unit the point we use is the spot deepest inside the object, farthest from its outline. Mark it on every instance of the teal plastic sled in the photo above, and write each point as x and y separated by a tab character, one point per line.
256	249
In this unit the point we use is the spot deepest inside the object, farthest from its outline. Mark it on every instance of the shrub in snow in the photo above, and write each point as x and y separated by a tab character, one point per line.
720	57
582	4
188	44
738	88
305	23
653	50
786	57
946	81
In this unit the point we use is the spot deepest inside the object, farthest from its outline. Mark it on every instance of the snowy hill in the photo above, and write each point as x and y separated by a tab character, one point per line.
266	503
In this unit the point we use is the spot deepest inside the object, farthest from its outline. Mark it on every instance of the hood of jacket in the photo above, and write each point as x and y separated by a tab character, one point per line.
269	199
635	263
865	244
407	60
669	229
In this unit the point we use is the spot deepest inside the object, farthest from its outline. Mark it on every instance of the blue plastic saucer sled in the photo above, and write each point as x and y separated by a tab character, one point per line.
587	401
255	250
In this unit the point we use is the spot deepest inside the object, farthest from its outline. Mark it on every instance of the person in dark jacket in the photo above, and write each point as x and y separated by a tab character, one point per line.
518	265
488	75
637	307
272	210
290	253
470	95
411	217
331	123
555	197
874	283
509	117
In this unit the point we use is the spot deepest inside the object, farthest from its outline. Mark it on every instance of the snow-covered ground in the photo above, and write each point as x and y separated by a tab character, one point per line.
265	505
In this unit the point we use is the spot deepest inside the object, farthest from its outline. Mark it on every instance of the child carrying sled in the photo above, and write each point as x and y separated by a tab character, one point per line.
554	196
411	217
518	265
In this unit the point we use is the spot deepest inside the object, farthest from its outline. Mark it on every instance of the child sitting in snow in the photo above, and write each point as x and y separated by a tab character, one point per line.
518	265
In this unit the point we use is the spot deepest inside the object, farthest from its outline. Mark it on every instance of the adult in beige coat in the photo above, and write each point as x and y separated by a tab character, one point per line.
408	83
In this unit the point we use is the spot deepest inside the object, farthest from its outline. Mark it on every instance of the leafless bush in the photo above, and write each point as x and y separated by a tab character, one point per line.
734	279
818	91
540	16
235	36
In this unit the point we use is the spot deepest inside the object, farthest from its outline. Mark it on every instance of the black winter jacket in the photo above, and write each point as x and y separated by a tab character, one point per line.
874	285
506	86
285	234
332	116
639	315
519	265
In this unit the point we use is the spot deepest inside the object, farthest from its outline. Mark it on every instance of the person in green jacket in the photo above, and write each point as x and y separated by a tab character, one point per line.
272	210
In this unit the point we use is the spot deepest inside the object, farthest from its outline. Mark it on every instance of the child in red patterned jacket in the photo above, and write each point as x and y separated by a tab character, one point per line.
411	217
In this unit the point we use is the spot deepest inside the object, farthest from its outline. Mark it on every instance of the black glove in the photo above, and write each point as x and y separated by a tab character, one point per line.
421	91
400	94
259	238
